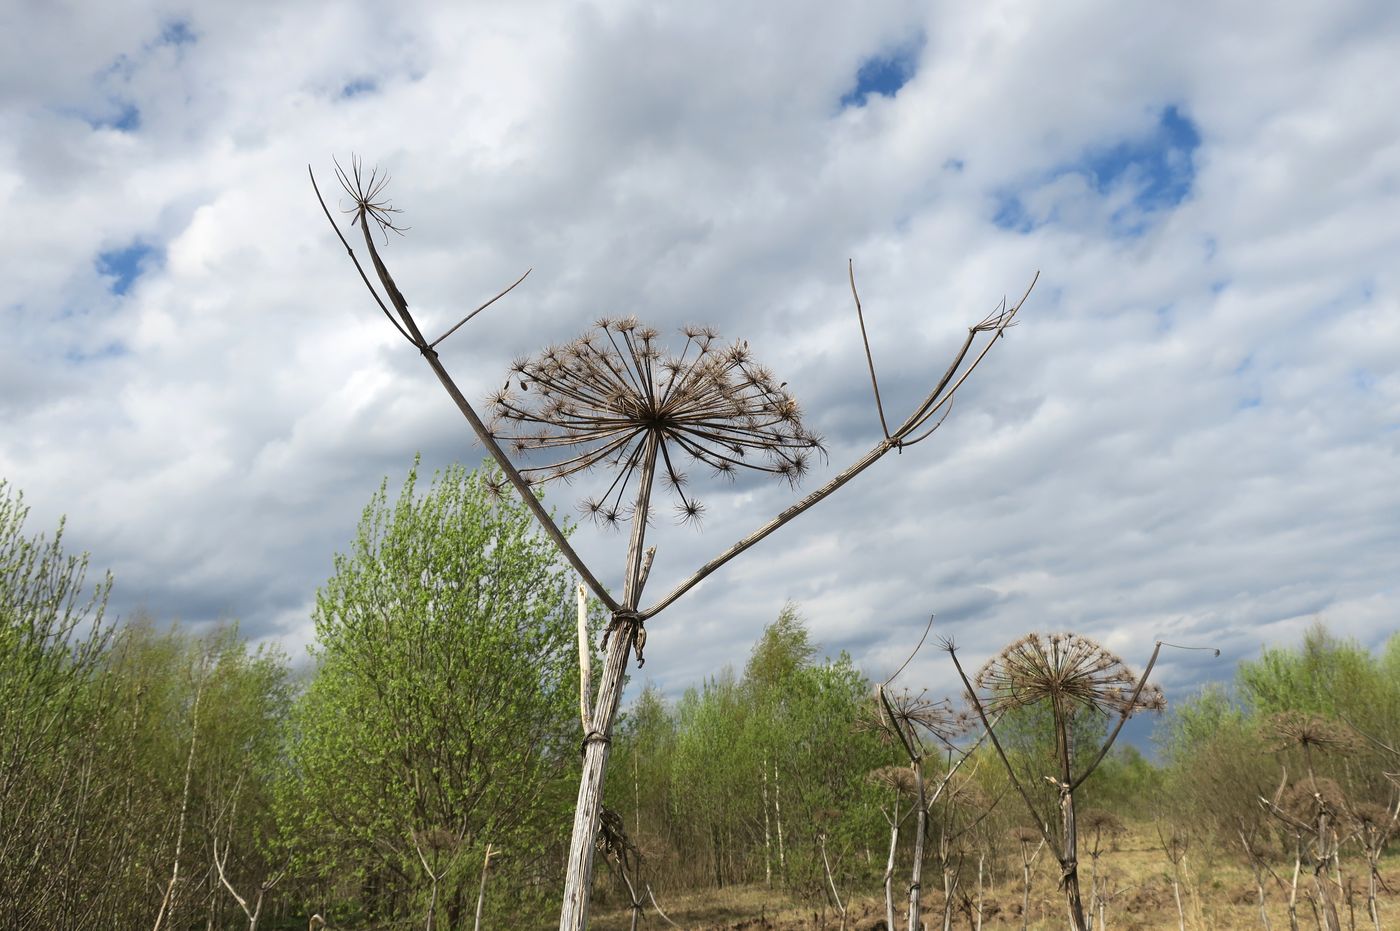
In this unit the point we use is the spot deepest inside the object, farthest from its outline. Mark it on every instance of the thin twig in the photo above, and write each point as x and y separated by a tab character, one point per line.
1129	709
995	325
869	359
667	918
493	300
1010	771
912	653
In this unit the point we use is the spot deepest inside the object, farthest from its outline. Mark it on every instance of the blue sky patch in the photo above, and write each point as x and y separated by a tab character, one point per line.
883	75
129	120
1158	168
178	32
1010	214
121	115
124	266
358	87
113	350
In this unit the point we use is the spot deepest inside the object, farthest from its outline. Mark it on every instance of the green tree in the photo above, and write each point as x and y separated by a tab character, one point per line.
52	639
443	708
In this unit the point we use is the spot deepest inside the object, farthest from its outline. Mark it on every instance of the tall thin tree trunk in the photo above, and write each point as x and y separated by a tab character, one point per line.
1371	889
981	863
481	893
767	837
1176	893
578	877
1258	878
778	818
821	841
168	901
1026	895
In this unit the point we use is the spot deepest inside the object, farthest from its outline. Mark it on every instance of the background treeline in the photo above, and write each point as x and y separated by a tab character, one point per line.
422	773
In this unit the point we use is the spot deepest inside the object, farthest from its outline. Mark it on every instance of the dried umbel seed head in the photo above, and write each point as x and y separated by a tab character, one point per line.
1024	835
966	793
1311	732
918	715
1067	670
439	839
614	397
899	778
1103	823
1306	799
1370	819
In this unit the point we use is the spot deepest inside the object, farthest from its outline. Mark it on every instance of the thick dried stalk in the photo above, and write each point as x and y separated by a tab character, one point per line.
889	866
916	873
585	662
578	876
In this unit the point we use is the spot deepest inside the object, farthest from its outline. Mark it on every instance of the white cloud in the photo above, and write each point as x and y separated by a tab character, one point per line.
1193	434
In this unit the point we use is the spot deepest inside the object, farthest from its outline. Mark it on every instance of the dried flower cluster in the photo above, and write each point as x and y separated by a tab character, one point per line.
918	715
1311	732
1024	835
1308	799
1097	821
614	397
899	778
1065	669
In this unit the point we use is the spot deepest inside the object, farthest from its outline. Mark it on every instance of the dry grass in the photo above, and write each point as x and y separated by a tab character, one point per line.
1218	894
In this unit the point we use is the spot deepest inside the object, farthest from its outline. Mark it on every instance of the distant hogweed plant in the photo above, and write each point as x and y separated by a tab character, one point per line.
1072	674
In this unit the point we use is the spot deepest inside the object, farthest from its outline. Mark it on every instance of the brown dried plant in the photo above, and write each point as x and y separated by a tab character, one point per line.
1066	670
614	399
1311	733
1072	674
897	778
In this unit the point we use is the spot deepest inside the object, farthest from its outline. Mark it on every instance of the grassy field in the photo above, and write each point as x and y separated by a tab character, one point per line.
1217	894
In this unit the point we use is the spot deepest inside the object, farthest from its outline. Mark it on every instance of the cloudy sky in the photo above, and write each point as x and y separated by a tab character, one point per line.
1194	434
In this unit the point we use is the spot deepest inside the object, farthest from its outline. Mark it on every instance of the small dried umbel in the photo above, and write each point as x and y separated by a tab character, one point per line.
612	394
1066	670
1311	733
907	716
898	778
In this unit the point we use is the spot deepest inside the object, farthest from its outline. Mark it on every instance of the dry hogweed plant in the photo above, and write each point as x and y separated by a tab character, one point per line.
614	400
1311	809
1073	675
917	723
